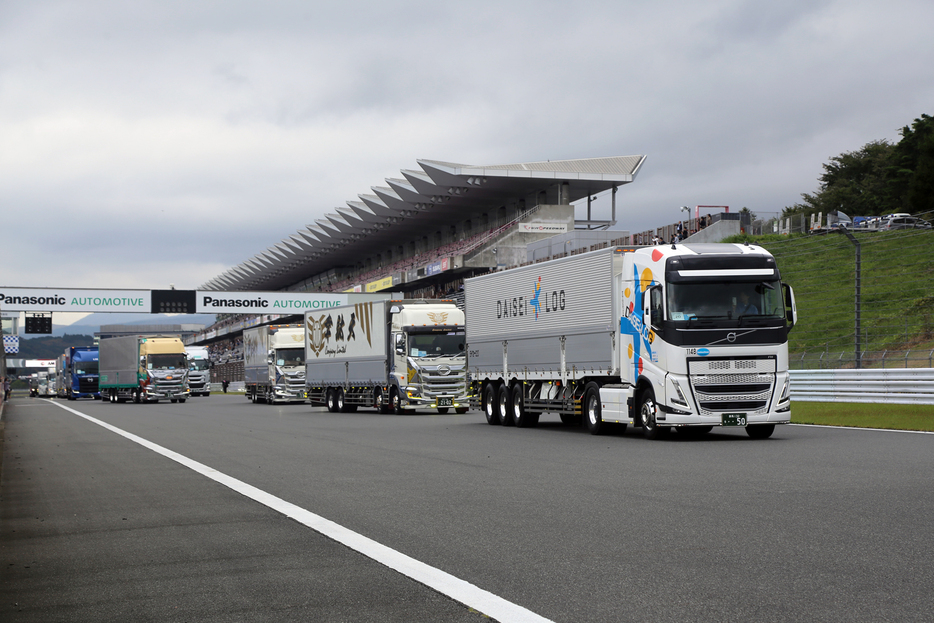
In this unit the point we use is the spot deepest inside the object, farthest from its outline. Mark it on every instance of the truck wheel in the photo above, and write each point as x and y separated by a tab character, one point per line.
503	405
647	412
442	410
760	431
460	410
489	404
331	400
339	403
593	410
396	401
520	416
378	401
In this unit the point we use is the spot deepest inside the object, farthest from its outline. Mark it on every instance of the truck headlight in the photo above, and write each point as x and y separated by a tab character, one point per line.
679	394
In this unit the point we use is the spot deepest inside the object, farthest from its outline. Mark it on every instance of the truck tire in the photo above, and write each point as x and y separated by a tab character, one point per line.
136	397
460	410
489	404
503	404
331	400
378	401
396	401
521	417
339	403
647	412
760	431
442	410
593	410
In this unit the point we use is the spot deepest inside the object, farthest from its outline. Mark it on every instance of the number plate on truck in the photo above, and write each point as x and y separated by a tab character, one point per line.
445	402
734	419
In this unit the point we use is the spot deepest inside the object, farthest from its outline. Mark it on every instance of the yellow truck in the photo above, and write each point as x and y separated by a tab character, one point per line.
143	368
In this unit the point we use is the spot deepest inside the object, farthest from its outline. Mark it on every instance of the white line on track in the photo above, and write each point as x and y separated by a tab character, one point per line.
875	430
445	583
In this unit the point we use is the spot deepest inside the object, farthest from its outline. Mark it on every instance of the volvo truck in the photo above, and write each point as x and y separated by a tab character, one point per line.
683	336
274	363
77	373
389	355
143	368
199	370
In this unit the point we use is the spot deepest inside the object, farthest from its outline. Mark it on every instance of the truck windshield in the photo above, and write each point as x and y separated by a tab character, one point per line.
725	300
85	367
290	357
436	344
167	361
198	364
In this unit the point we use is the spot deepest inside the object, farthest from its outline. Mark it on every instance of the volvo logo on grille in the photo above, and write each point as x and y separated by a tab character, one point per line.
731	337
444	370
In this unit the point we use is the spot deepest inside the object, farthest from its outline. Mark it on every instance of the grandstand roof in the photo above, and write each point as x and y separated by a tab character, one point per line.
405	208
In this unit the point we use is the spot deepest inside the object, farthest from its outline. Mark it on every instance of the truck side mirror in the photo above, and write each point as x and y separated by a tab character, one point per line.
652	301
399	343
791	310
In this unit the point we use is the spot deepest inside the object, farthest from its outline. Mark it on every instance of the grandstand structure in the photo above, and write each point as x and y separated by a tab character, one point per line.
423	233
444	210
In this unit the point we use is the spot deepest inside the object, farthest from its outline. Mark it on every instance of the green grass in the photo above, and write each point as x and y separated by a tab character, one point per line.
898	417
897	288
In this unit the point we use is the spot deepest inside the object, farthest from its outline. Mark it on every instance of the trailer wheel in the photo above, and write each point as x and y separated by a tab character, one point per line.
593	410
522	417
503	405
489	404
331	400
760	431
339	403
647	411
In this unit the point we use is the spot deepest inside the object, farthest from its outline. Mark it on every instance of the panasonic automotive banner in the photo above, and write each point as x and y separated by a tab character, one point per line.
74	300
273	302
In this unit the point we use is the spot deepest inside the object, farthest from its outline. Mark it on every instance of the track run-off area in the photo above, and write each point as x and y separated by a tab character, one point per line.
219	509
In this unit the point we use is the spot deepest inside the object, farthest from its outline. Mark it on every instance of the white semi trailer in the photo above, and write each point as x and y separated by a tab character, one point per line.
389	355
274	363
686	336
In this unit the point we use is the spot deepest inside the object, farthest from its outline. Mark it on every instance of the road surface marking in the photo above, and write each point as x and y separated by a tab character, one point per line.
445	583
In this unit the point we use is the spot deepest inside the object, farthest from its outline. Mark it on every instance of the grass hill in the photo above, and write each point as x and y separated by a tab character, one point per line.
896	287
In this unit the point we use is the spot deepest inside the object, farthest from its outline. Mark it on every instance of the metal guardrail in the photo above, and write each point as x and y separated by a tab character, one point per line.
891	386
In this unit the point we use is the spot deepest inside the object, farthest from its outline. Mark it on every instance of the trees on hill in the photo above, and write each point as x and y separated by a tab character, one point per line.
51	347
879	178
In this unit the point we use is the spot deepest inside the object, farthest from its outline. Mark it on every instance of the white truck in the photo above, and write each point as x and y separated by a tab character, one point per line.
389	355
199	370
274	363
143	368
686	336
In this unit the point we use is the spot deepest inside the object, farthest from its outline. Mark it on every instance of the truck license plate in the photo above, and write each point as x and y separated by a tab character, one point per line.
734	419
445	402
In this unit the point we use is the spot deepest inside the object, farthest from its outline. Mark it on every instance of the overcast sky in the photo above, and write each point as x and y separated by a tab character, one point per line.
149	143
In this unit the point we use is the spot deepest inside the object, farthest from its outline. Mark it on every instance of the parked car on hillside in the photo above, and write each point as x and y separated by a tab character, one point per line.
905	222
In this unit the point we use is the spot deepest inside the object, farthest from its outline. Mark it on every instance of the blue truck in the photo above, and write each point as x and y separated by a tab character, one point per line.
77	373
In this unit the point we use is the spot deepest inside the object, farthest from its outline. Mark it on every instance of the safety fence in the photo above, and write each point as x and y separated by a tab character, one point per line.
889	386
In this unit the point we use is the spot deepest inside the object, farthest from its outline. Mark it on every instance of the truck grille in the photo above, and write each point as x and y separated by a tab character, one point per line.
443	380
295	382
87	385
727	385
